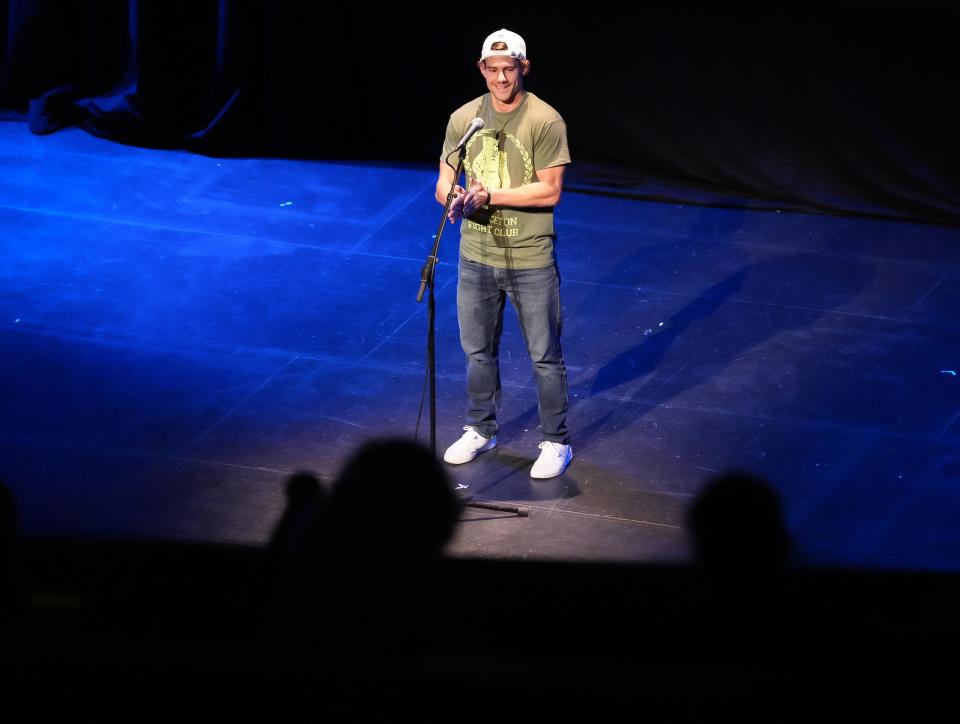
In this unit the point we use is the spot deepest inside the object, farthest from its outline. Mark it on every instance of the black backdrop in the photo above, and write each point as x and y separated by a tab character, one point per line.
841	105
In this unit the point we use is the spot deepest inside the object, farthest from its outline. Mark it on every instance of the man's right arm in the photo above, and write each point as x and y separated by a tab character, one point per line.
443	182
443	188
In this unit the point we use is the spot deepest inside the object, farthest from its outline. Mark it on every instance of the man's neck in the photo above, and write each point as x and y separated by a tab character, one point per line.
500	107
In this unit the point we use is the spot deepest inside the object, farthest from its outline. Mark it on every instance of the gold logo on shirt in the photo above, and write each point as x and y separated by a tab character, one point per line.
490	163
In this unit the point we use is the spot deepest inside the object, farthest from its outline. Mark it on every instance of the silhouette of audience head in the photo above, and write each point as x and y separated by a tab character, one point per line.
9	533
392	500
298	531
8	516
737	525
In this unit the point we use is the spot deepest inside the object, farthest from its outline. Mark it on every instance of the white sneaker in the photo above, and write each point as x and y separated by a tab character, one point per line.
471	444
553	460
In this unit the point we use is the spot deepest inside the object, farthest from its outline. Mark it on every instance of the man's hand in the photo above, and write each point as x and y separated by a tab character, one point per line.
476	197
456	206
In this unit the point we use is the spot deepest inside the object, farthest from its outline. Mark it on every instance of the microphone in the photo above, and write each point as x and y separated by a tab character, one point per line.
475	125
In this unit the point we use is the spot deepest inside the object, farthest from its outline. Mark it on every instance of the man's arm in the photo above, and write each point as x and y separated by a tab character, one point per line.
543	192
443	188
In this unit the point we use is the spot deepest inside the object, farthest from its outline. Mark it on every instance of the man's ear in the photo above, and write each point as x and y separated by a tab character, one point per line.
525	65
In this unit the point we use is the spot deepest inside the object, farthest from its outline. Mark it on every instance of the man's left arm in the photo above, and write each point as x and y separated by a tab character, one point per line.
544	192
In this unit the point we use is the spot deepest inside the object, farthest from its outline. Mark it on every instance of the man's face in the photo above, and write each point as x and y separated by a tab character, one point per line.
504	76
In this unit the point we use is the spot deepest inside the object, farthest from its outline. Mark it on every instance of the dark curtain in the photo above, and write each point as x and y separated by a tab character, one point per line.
841	105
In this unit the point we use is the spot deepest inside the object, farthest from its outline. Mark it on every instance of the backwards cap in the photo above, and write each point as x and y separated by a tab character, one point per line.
504	42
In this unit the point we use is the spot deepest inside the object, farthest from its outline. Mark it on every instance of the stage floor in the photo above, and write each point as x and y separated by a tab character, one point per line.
179	333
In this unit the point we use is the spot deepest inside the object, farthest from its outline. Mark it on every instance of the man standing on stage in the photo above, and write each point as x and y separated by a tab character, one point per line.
514	168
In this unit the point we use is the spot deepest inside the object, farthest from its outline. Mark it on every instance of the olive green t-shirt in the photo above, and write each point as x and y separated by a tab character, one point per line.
532	137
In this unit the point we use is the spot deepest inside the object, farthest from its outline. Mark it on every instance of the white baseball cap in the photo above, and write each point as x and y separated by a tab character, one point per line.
508	43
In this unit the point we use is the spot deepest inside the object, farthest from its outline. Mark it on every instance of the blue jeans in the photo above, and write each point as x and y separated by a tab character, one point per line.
535	294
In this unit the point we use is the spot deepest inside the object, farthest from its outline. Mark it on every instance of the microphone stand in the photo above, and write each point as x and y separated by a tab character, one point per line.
427	275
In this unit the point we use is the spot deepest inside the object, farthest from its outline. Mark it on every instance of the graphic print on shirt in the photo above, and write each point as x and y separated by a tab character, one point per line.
490	164
491	167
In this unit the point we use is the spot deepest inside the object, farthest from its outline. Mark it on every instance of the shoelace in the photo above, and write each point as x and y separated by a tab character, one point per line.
555	446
